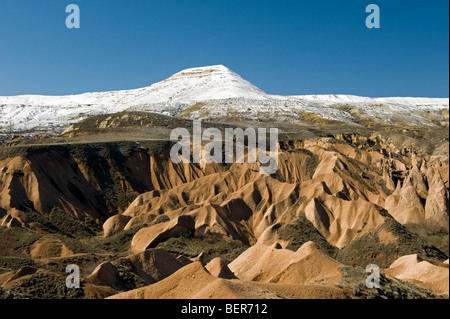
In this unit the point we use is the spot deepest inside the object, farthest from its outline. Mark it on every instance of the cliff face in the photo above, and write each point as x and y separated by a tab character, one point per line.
95	181
340	188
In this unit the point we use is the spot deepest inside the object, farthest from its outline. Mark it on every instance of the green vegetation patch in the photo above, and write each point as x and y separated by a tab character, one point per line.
127	279
354	278
16	241
439	240
302	231
67	224
117	244
45	285
228	250
382	184
15	263
370	249
8	295
311	164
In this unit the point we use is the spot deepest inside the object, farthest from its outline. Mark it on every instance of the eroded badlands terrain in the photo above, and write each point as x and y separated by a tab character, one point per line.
105	196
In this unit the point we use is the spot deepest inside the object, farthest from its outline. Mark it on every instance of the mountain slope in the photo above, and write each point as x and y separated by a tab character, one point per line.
215	92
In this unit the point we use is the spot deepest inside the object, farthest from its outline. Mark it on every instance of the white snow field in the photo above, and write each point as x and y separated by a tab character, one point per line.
212	92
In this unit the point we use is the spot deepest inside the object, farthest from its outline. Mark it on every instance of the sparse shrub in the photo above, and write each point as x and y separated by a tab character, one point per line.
8	295
390	288
67	224
228	250
439	240
125	199
127	280
117	244
382	184
46	285
174	201
16	241
90	223
311	164
368	248
15	263
38	221
301	231
161	219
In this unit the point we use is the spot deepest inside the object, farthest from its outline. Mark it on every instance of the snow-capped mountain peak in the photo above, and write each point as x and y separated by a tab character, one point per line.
203	83
212	92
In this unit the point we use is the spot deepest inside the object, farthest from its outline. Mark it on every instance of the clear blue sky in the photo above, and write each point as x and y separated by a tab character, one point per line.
282	46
